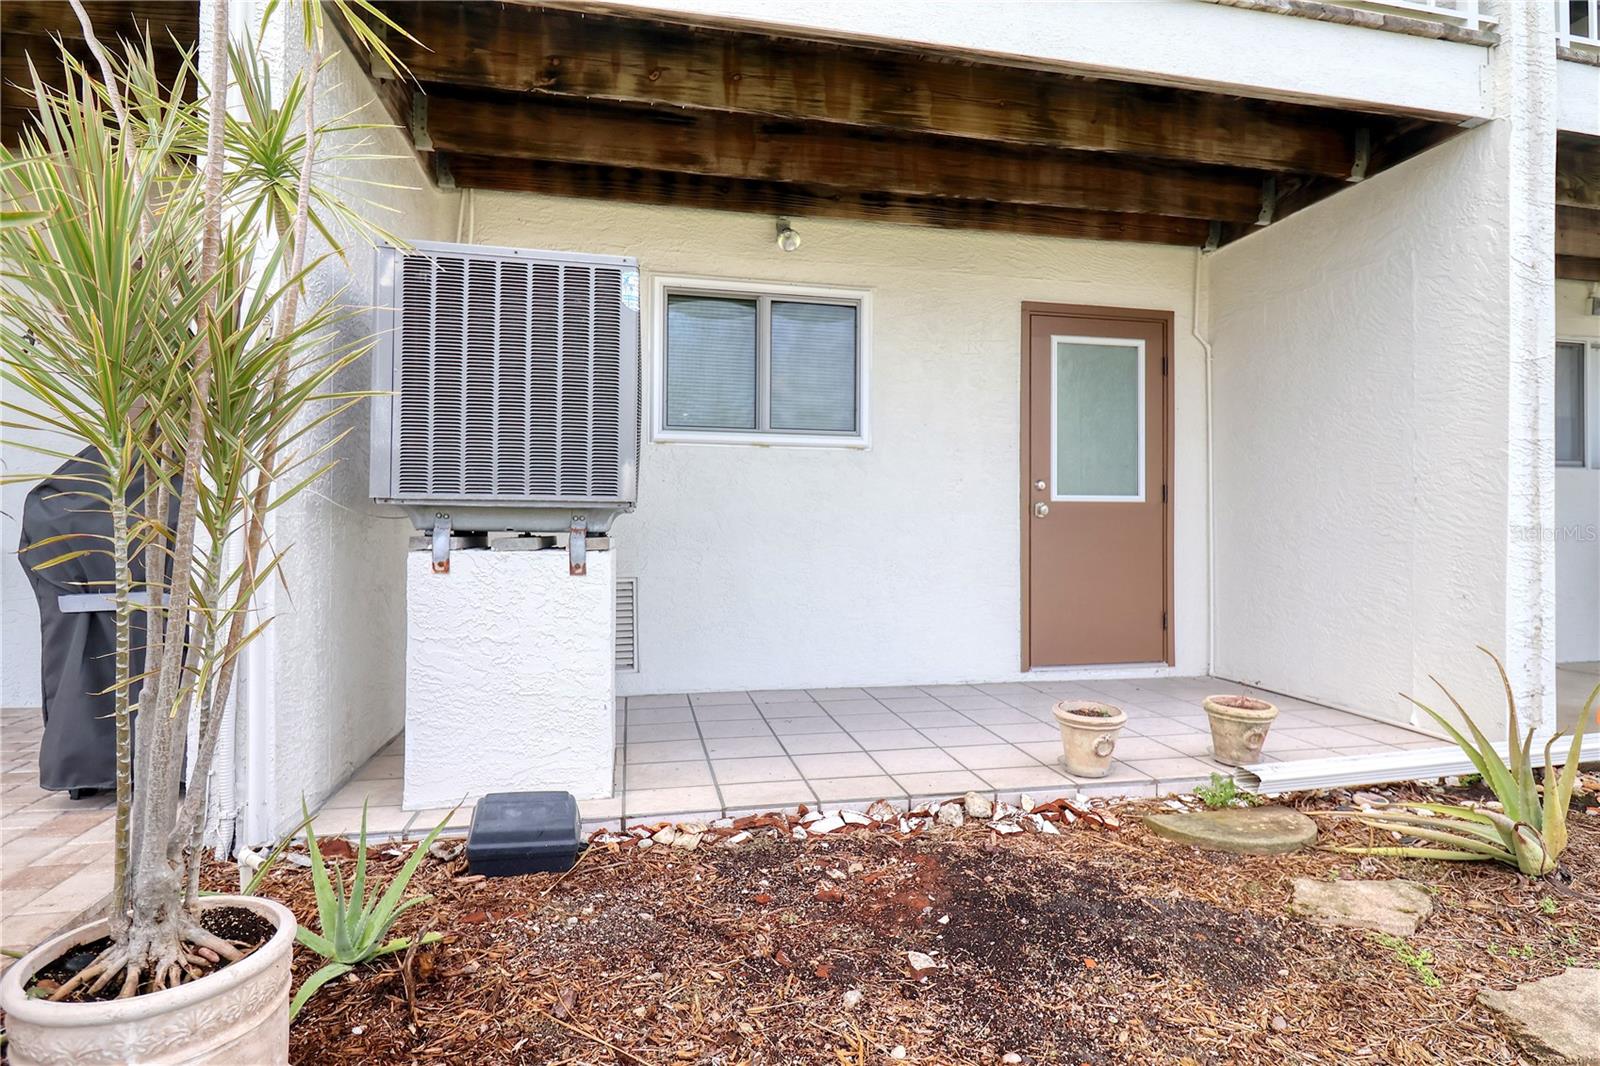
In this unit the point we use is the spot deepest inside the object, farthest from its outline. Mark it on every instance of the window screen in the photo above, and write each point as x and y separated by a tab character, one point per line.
813	367
762	364
1569	403
711	362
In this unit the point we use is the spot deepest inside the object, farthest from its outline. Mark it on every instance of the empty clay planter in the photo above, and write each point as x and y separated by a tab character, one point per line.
237	1016
1088	735
1239	727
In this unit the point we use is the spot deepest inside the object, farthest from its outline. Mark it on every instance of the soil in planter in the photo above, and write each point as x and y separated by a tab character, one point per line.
1243	703
241	926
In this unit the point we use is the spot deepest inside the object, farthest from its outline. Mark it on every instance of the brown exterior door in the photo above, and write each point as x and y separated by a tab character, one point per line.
1096	462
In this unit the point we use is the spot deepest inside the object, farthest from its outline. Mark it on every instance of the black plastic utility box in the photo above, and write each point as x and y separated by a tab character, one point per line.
523	833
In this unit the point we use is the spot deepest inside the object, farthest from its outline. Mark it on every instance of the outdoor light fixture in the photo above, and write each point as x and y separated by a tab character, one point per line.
788	239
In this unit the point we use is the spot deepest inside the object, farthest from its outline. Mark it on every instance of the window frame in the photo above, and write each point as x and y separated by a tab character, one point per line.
764	293
1589	441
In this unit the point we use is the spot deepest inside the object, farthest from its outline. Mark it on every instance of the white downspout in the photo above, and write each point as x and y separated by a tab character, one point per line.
1211	479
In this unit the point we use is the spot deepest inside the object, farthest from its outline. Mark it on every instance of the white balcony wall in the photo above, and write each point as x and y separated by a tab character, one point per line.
1171	41
1578	98
1384	442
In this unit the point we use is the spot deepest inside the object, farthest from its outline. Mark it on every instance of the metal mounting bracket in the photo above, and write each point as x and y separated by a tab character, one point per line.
1269	201
1213	238
1363	159
419	123
441	543
578	546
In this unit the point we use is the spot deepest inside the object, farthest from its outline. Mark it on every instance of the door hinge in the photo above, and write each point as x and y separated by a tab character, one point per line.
1163	621
1163	366
1163	494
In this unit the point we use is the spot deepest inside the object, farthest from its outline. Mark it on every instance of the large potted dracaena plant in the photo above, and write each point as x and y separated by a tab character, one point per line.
155	250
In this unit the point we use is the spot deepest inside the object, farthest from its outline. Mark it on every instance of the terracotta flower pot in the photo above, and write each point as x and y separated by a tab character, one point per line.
1239	727
237	1015
1088	735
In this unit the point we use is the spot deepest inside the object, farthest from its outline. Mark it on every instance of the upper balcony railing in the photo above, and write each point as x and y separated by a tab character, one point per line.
1577	21
1468	14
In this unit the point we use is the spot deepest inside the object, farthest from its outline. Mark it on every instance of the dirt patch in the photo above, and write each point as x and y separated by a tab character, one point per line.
1092	946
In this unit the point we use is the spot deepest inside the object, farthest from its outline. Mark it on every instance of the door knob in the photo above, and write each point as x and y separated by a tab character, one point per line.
1041	509
1038	486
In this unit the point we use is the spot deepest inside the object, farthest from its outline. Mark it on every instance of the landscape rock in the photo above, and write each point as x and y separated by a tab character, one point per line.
1396	907
665	835
1025	801
977	805
855	818
826	825
687	841
1553	1020
1005	828
1043	825
851	999
951	815
921	965
883	811
1243	831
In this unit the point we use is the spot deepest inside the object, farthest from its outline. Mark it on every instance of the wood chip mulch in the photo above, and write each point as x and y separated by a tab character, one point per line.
1103	944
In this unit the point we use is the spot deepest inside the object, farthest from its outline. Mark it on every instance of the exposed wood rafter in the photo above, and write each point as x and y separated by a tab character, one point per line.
749	147
687	190
521	48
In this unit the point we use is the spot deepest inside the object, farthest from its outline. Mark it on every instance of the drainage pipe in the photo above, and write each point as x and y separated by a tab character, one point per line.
1211	482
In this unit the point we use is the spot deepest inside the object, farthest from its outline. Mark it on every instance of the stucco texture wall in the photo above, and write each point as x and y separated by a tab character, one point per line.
327	684
1361	446
509	676
1577	530
774	567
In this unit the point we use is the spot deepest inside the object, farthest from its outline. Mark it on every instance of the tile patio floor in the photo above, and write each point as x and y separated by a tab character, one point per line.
710	754
55	852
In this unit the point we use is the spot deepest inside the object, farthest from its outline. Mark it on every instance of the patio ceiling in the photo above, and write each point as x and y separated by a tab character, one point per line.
1578	207
28	29
576	100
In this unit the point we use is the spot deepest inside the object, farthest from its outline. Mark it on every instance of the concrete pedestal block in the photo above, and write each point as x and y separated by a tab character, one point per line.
510	676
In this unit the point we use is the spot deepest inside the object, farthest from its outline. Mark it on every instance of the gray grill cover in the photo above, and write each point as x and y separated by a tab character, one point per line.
78	662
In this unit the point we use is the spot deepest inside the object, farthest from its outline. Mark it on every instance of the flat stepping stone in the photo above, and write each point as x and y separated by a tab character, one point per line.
1396	907
1243	831
1553	1020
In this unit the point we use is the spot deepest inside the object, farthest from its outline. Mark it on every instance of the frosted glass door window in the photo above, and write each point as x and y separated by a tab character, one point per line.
813	367
711	363
1569	403
1097	429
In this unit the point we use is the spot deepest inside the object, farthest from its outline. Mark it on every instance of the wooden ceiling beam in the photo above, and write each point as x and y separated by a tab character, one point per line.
816	201
110	18
521	48
1577	268
749	147
1577	170
1578	232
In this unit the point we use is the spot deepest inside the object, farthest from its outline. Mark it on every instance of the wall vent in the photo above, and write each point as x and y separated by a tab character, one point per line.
509	386
627	624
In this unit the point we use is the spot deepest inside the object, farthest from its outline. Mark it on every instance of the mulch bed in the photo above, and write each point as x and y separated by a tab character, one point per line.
1099	945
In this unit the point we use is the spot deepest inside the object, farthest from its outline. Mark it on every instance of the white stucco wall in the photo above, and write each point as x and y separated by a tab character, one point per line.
19	613
773	567
1377	397
509	676
1173	41
324	688
1577	527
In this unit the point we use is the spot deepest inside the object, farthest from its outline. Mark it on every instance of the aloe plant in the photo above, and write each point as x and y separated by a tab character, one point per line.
1529	831
355	923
